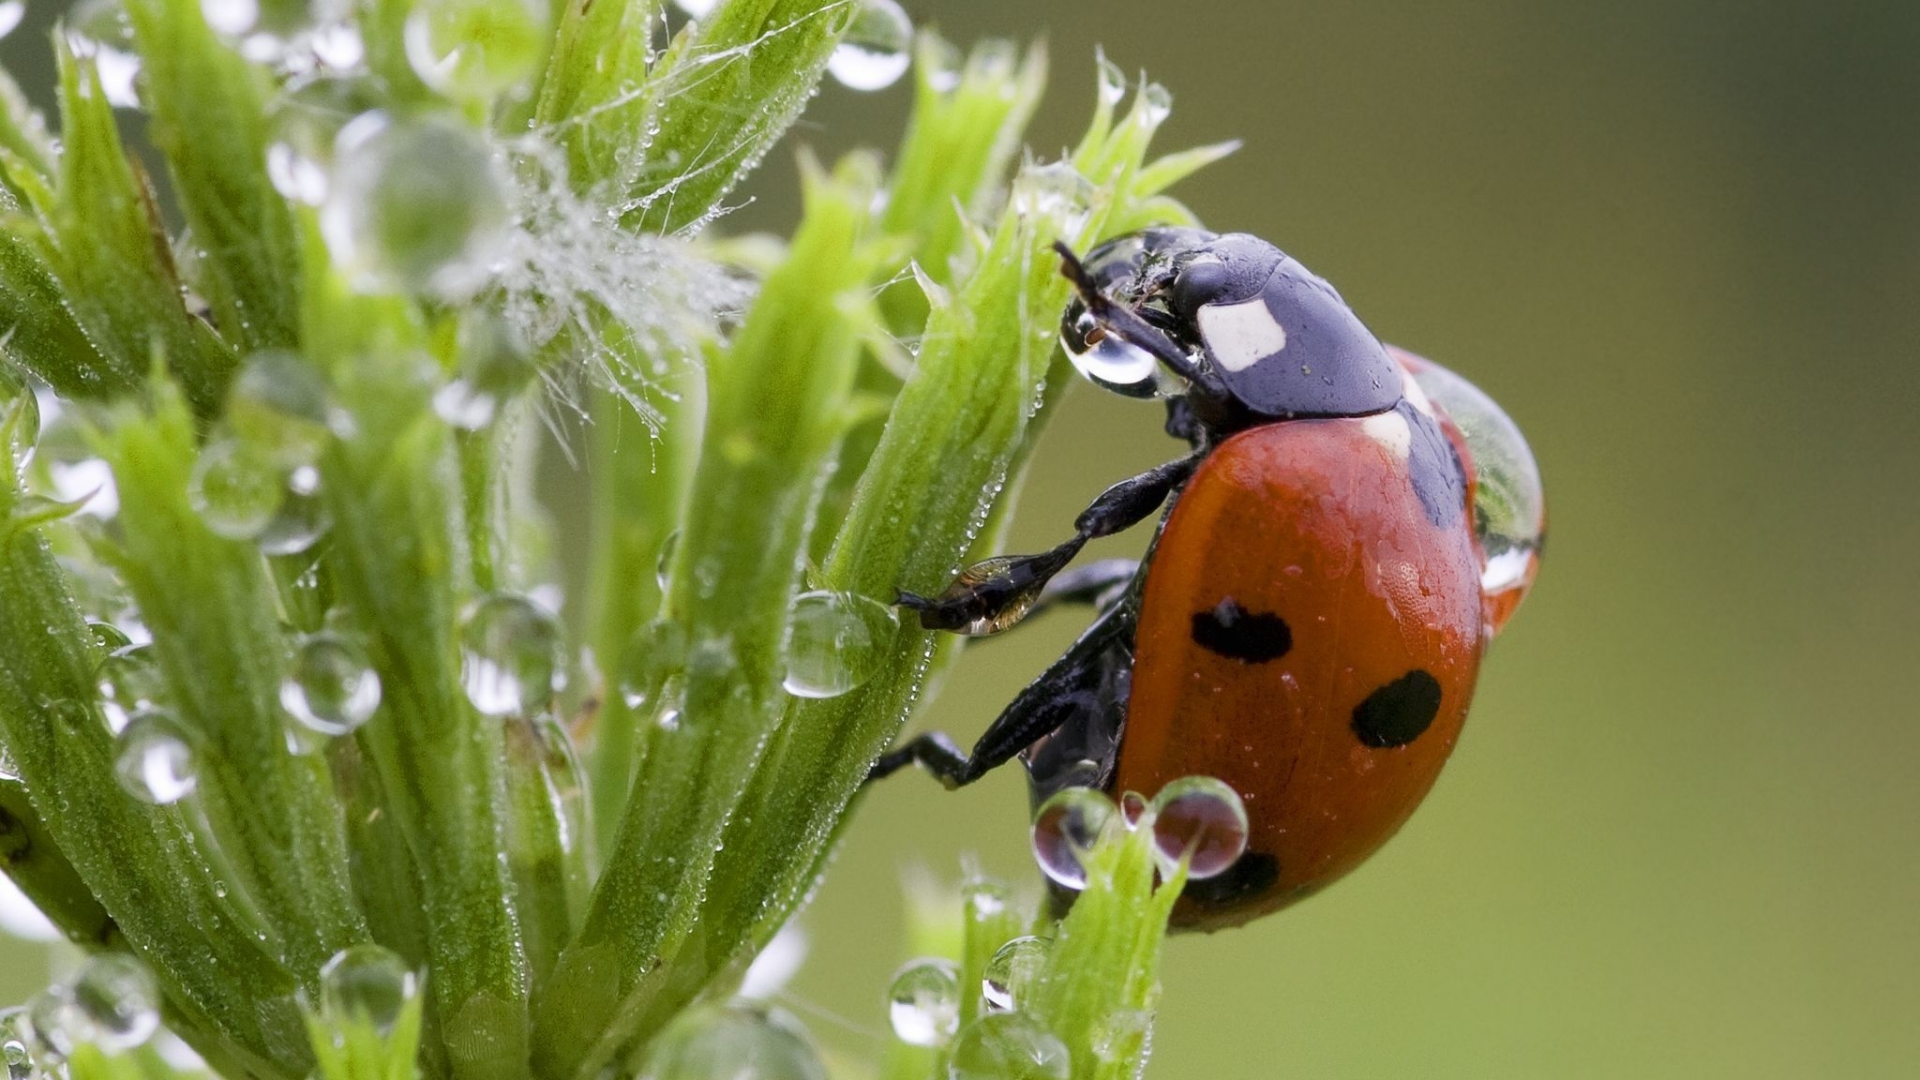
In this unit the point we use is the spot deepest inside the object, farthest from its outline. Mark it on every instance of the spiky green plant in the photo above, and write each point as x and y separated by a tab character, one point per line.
290	710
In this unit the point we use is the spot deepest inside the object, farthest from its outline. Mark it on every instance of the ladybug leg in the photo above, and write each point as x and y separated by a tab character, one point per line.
996	593
1124	323
1101	585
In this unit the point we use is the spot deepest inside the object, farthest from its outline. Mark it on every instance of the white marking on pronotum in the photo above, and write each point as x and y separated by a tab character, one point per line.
1240	335
1415	395
1390	430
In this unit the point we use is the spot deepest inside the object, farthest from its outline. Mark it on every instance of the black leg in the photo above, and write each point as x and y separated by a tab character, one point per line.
1099	584
996	593
934	752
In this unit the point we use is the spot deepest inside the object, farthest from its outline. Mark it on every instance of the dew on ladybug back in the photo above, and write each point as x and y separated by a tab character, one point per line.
1509	504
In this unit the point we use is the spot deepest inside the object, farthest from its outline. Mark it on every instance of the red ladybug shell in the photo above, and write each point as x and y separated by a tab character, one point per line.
1310	633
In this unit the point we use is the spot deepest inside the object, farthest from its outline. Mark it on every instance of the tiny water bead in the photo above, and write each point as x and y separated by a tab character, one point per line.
838	641
1202	820
331	687
115	1003
129	679
734	1041
923	1003
235	489
1065	828
511	655
655	654
1013	971
414	204
16	1049
1055	191
1008	1046
367	984
20	419
876	48
475	50
154	758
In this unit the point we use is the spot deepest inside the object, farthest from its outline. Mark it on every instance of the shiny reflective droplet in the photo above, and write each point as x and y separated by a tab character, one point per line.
11	12
1008	1046
414	204
1133	807
663	567
154	758
367	984
115	1003
16	1046
511	655
838	641
1202	820
99	30
19	416
303	517
295	175
1108	362
495	364
1509	502
1113	81
278	407
923	1003
875	50
698	9
1065	828
230	17
941	64
475	50
1013	971
1156	104
130	680
734	1041
108	636
656	653
331	687
1122	1035
235	490
984	898
1055	195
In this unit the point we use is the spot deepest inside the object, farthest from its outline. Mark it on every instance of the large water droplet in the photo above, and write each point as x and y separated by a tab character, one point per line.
235	489
511	655
656	653
495	364
475	50
414	204
154	758
115	1004
1109	362
130	680
1065	828
876	48
838	640
1008	1046
1202	820
366	984
1156	104
303	518
923	1004
1112	80
1055	196
16	1048
278	405
735	1041
698	9
230	17
331	688
1013	971
100	30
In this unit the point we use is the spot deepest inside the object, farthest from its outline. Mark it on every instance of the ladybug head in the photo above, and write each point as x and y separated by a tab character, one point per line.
1262	337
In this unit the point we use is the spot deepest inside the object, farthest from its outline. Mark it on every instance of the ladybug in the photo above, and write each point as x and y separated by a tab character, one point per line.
1352	526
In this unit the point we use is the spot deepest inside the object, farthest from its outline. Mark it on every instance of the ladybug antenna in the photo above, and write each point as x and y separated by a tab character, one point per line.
1121	321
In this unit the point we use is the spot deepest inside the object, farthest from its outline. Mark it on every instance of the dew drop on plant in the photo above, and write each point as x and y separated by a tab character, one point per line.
1133	807
1106	360
295	175
475	50
230	17
20	418
838	641
983	899
495	364
16	1051
154	758
655	654
663	569
698	9
366	984
875	50
130	681
1113	81
1012	972
1122	1035
331	687
113	1003
414	204
1156	101
923	1003
1065	828
1509	502
11	12
303	518
1008	1046
734	1041
235	489
511	655
100	30
1055	192
1202	820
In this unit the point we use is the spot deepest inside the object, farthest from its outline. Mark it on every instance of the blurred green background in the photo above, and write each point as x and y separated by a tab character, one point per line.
1680	242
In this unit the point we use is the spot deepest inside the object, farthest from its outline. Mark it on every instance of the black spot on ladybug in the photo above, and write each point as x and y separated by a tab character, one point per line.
1438	479
1252	637
1254	874
1397	713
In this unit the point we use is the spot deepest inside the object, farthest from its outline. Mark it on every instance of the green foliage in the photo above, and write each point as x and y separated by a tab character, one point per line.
304	453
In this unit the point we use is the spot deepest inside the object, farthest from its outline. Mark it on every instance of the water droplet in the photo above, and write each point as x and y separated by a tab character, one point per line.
1133	807
303	518
475	50
1201	820
1065	828
698	9
1008	1046
1055	196
19	417
1113	81
663	569
923	1004
656	653
11	13
1156	103
875	50
230	17
130	680
735	1041
495	364
940	64
1509	502
9	770
1013	971
331	688
114	1003
1122	1035
366	984
295	175
235	490
100	30
983	899
1109	362
511	655
414	204
154	757
838	640
16	1049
